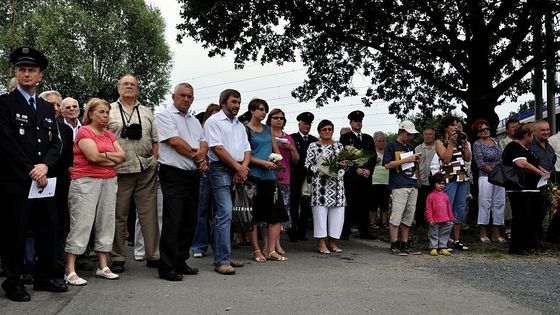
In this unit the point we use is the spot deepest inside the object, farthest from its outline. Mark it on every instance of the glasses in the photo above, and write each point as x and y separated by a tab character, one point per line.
483	129
278	118
73	106
326	129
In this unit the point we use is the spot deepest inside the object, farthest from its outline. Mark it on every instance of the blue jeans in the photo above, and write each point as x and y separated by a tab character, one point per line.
457	193
221	182
201	236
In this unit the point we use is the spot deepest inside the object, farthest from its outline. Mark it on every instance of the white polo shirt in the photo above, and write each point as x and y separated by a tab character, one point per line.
220	130
170	122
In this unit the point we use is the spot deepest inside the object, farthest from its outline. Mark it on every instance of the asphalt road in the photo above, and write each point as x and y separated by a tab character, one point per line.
364	279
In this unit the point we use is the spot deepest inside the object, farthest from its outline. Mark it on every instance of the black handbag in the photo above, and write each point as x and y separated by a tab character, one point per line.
243	199
510	177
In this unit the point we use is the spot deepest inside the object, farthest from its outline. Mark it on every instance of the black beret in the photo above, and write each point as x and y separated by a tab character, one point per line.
27	56
305	117
356	115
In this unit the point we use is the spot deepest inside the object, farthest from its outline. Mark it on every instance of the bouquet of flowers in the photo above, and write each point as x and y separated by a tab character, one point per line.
348	156
276	158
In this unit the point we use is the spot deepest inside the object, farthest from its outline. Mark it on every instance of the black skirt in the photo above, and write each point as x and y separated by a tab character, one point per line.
265	209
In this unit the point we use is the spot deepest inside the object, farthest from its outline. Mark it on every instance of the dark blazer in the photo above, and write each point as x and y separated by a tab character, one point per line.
366	144
67	153
298	170
26	139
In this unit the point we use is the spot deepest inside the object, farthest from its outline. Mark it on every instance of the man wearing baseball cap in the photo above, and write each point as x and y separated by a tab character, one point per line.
402	163
31	147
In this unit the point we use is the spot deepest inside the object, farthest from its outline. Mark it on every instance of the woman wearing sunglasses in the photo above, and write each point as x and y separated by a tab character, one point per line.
327	193
491	198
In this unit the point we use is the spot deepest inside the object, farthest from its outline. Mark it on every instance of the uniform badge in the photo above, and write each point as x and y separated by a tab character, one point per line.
22	131
50	135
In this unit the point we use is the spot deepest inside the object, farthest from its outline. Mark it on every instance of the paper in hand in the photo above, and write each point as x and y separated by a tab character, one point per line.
36	192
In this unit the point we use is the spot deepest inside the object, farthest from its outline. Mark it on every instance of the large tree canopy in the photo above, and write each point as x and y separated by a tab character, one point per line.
419	54
90	44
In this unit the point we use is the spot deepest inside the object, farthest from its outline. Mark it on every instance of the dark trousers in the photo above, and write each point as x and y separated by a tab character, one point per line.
526	224
179	217
300	209
420	214
358	192
19	213
63	218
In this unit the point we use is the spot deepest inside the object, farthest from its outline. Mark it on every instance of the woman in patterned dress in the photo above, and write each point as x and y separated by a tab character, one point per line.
327	193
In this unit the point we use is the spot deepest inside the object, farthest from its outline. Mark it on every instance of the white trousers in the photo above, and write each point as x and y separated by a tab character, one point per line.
491	199
139	250
331	217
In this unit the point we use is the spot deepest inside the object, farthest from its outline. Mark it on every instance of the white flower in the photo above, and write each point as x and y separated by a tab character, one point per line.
274	157
341	173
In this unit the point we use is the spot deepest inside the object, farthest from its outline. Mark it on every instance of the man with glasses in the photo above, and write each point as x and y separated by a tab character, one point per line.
70	111
300	207
134	126
357	179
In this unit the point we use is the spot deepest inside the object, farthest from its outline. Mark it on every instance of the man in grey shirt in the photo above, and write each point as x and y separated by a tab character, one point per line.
427	150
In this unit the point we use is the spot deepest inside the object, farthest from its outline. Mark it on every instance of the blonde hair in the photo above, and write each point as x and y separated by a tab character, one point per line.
91	105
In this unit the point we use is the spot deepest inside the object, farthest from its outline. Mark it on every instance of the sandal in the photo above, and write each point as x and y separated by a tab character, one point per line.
106	273
336	250
77	281
324	251
258	258
499	240
275	258
485	239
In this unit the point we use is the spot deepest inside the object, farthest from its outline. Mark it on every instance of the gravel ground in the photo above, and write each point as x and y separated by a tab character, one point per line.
532	282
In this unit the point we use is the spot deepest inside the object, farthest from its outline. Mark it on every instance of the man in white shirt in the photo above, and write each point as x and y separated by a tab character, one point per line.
229	155
182	153
70	110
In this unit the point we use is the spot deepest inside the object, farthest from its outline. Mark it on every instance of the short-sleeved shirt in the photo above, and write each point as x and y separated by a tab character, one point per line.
104	143
261	148
286	162
486	154
399	178
220	130
546	155
515	151
170	123
138	151
425	162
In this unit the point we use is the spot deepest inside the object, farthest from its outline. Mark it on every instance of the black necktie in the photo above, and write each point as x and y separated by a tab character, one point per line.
360	137
32	104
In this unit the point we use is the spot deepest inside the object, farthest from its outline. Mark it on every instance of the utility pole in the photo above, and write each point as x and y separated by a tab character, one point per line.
538	73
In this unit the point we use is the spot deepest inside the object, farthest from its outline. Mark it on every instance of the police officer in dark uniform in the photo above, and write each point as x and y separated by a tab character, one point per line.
30	149
357	180
300	207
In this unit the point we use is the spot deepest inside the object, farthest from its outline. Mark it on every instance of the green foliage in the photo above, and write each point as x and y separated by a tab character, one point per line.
91	44
418	54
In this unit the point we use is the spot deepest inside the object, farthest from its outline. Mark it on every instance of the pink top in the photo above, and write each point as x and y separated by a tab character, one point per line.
438	207
104	143
286	162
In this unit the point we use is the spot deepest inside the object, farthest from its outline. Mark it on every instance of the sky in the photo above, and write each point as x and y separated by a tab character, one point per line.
210	76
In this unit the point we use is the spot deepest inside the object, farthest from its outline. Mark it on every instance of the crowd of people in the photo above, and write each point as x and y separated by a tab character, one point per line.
121	158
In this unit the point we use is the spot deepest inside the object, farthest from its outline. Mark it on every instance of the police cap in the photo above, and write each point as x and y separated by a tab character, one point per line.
356	115
305	117
27	56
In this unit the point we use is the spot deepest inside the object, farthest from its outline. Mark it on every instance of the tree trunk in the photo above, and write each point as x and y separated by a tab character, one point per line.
482	109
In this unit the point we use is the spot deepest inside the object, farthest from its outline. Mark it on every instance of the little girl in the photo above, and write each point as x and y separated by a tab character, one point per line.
439	216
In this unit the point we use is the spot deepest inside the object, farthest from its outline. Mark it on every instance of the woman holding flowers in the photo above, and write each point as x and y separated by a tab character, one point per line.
277	120
263	173
327	190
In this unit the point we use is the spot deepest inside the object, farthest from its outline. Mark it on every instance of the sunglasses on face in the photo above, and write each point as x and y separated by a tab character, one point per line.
278	118
327	129
72	106
483	129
